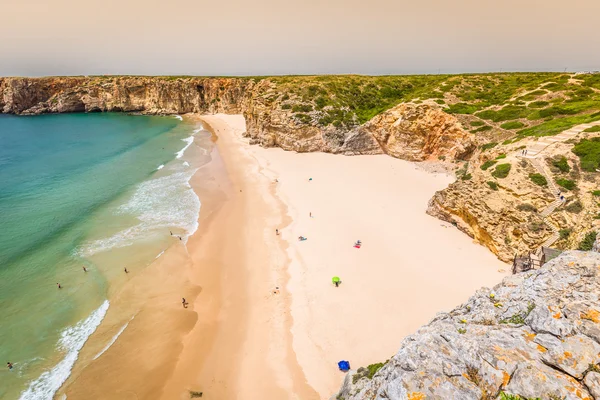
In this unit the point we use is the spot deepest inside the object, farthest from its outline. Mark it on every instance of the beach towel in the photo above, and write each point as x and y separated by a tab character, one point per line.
357	246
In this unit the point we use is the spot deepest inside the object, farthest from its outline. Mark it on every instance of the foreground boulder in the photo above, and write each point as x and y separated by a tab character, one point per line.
535	335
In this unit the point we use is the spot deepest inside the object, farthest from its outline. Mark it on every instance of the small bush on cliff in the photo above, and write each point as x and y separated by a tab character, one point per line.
526	207
487	164
304	118
488	146
512	125
596	193
588	241
462	108
566	184
302	108
285	106
493	185
482	129
561	163
538	179
595	128
564	233
501	156
477	123
501	171
575	207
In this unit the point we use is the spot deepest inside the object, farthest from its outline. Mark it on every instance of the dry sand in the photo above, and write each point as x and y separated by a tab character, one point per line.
410	266
264	319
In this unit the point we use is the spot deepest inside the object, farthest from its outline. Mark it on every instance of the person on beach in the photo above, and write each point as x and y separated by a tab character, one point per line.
9	365
180	238
277	231
84	269
310	215
125	269
58	284
171	233
183	302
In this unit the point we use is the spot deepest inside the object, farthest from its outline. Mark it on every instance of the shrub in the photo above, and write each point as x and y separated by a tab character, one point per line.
487	164
466	177
321	102
512	125
561	163
501	156
501	171
588	151
538	104
588	241
373	368
285	97
302	108
482	129
596	193
575	207
440	101
285	106
564	233
305	119
488	146
493	185
477	123
462	108
595	128
526	207
565	183
538	179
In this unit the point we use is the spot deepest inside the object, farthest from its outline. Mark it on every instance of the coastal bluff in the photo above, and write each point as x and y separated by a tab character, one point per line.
536	335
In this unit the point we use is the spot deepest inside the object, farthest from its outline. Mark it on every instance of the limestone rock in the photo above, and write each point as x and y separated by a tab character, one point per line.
526	336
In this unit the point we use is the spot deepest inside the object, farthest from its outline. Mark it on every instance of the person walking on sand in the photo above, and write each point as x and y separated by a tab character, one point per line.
171	233
9	365
84	269
183	302
277	231
125	269
310	214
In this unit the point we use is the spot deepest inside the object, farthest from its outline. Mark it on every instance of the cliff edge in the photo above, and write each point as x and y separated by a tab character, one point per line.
535	335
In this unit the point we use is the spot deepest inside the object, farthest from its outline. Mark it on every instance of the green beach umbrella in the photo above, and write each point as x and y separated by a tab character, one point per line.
336	279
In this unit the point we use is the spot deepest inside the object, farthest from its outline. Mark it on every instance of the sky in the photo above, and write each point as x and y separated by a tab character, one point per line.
274	37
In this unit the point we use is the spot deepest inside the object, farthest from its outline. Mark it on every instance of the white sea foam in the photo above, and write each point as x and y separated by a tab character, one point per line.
159	254
71	341
188	141
186	164
179	117
113	340
159	204
161	166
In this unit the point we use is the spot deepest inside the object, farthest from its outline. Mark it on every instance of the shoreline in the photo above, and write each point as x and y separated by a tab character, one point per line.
262	316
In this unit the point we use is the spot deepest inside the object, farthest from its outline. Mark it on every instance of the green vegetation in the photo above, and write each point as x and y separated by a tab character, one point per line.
302	108
501	156
595	128
368	372
194	395
588	241
575	207
564	233
519	318
462	331
462	108
466	177
488	164
566	183
373	368
556	126
286	106
304	118
501	171
538	179
561	163
588	151
526	207
488	146
508	396
493	185
596	193
538	104
477	123
504	114
512	125
482	129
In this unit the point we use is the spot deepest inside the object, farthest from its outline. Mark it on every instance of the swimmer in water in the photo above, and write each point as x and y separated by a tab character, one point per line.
9	365
58	284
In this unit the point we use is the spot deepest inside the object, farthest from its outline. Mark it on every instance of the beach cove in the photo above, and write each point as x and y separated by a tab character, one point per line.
264	318
267	321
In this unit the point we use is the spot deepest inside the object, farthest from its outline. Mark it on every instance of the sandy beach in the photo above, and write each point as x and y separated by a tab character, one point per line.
264	319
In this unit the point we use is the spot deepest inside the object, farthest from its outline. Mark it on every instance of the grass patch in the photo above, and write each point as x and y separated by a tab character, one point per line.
588	241
482	129
588	151
596	193
504	114
488	164
302	108
501	156
538	104
562	164
476	123
555	126
488	146
512	125
566	184
462	108
595	128
501	171
493	185
538	179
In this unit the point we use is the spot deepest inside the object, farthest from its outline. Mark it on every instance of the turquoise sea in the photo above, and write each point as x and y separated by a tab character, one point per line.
100	191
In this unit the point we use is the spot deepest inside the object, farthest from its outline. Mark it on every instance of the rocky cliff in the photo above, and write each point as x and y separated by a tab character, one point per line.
535	335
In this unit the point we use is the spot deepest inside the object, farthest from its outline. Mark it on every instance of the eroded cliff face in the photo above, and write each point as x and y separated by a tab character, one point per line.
408	131
535	335
148	95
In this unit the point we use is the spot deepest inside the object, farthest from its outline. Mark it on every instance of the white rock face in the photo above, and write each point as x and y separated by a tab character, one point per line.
536	335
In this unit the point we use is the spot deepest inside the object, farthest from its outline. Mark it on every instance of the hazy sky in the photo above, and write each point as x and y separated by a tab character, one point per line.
262	37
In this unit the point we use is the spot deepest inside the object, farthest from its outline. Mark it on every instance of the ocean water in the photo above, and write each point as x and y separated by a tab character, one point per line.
102	191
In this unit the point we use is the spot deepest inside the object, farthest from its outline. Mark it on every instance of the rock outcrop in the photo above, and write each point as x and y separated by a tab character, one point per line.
535	335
